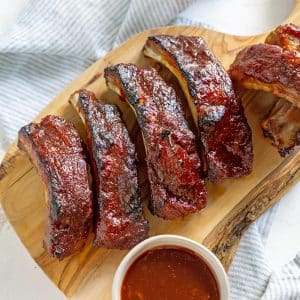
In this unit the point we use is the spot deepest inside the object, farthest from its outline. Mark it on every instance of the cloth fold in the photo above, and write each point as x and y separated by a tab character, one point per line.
52	42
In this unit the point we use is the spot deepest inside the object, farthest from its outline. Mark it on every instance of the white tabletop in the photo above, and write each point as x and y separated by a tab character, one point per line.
21	278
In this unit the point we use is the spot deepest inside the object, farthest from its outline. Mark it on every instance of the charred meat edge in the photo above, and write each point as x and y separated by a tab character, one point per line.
137	227
54	226
155	50
115	83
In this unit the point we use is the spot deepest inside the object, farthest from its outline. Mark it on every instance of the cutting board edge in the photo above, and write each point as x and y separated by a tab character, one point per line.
224	239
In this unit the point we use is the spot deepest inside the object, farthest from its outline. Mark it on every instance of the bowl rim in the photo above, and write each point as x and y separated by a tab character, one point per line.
176	241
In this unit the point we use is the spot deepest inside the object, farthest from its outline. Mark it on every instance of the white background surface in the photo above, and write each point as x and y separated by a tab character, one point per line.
21	278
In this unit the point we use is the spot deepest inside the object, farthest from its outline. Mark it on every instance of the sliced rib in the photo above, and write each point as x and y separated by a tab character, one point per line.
282	125
269	68
55	148
223	128
119	222
275	68
173	163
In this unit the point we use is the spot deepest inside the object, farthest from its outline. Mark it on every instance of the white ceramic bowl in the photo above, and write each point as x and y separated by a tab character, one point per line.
172	240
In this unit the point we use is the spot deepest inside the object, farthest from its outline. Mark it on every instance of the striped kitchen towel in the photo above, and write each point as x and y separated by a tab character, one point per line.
54	41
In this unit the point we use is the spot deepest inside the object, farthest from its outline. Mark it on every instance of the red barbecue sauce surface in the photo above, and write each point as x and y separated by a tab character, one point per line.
169	273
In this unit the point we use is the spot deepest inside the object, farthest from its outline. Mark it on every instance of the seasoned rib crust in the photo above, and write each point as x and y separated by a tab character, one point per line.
223	128
173	163
55	149
119	222
269	68
286	36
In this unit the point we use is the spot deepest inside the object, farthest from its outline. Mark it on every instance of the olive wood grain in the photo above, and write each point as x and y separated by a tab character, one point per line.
233	204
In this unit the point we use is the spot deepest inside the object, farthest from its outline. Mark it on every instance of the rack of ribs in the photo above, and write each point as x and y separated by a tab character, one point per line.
55	148
174	166
119	222
218	113
274	67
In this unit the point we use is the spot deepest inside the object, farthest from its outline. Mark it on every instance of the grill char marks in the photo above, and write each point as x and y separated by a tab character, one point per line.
55	149
119	222
223	128
173	163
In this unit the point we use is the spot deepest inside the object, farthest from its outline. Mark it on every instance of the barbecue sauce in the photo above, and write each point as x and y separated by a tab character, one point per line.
169	273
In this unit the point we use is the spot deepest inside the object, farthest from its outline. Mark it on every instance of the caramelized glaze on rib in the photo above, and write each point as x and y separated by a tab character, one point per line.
275	68
269	68
223	128
173	163
282	125
119	222
55	148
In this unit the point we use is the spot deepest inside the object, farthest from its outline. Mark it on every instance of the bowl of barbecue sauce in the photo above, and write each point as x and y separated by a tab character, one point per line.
170	267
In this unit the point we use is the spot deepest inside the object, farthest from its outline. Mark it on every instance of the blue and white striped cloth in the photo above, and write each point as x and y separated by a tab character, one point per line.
53	41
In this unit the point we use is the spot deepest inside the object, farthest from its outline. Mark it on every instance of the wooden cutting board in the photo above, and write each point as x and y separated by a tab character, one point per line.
233	204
